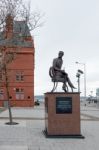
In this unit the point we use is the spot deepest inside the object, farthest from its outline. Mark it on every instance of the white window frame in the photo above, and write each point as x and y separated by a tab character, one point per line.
19	94
19	76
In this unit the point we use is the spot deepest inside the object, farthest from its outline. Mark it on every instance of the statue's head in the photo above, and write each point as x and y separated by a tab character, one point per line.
61	53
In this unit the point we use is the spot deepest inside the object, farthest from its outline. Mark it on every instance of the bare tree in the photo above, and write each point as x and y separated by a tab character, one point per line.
17	10
6	57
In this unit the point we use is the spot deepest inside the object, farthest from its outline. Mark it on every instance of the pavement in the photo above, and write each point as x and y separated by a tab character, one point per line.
28	135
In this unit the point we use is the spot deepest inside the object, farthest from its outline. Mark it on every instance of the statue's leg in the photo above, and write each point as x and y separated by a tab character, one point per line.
56	85
64	87
53	88
70	83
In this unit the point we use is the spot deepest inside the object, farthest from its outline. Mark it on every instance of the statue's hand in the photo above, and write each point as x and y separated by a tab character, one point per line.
63	71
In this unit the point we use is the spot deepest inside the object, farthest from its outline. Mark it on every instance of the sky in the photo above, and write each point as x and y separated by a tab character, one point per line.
71	26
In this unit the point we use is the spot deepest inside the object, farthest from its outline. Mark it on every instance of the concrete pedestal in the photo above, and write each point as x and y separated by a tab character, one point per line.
62	114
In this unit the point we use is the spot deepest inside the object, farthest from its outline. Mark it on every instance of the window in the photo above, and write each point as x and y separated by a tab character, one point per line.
19	94
19	76
1	94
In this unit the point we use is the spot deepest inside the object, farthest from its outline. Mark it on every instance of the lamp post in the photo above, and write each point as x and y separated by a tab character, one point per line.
84	65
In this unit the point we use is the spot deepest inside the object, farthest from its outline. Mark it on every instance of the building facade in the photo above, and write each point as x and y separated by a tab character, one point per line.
20	71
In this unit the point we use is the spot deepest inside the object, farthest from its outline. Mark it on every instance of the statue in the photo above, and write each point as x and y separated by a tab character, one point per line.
59	75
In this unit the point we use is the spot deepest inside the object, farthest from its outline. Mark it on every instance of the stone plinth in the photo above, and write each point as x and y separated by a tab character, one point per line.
62	114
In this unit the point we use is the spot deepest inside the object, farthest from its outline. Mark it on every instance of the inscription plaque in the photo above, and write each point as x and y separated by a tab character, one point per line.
63	105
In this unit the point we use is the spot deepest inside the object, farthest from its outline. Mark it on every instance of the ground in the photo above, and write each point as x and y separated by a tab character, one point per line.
28	135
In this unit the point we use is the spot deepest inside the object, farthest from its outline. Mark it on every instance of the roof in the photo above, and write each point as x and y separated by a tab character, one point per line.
20	30
21	27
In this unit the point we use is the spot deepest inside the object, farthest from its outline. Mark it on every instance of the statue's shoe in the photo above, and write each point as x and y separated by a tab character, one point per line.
64	89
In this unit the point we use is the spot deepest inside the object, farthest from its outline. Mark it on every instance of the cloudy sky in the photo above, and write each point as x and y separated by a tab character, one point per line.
73	27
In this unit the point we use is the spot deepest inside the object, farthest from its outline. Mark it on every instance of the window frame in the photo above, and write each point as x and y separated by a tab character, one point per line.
19	76
1	94
19	94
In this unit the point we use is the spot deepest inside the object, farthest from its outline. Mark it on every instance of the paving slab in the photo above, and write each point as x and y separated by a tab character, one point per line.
36	112
7	147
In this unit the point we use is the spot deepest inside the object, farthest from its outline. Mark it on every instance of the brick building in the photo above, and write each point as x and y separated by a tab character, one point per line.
16	37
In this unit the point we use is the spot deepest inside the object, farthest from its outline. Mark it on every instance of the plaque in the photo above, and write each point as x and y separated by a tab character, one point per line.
63	105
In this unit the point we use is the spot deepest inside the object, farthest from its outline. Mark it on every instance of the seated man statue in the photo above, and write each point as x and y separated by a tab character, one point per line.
59	75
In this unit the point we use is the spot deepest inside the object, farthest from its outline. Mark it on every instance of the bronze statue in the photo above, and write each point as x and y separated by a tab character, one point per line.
59	75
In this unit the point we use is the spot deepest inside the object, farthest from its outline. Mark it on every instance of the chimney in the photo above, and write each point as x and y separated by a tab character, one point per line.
9	26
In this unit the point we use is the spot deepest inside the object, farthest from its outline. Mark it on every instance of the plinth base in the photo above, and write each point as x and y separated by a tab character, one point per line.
62	114
63	136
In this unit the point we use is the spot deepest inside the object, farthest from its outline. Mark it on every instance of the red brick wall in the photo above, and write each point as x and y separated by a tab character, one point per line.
24	61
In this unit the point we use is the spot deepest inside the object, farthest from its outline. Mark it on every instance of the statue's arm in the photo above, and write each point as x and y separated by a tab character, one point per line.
55	65
56	68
